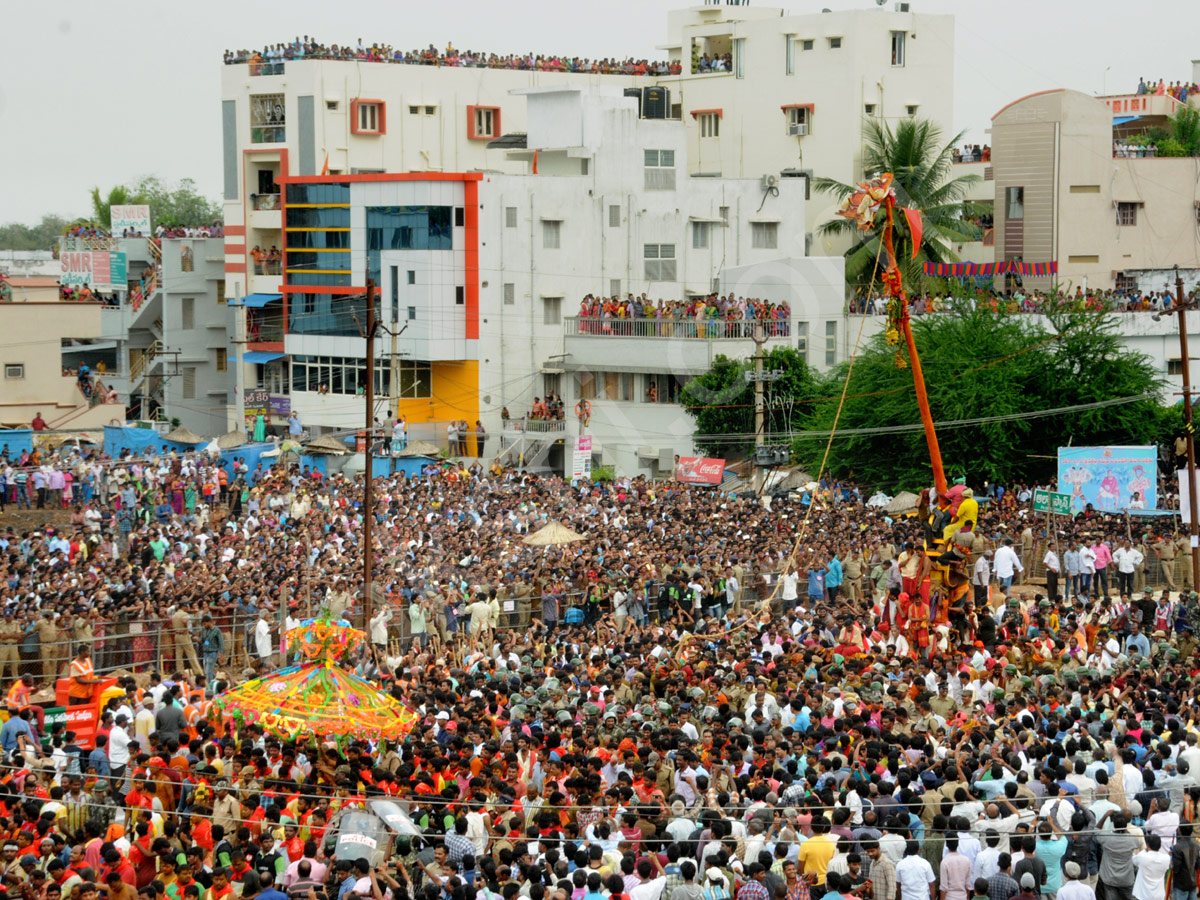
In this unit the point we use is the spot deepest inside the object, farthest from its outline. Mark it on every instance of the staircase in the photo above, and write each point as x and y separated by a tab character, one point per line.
527	442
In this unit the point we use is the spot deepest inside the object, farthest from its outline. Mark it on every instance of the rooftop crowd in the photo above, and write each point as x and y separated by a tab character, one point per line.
1180	90
709	696
1019	300
262	61
712	316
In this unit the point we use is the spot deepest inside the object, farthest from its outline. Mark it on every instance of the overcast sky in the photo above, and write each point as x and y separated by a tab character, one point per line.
100	94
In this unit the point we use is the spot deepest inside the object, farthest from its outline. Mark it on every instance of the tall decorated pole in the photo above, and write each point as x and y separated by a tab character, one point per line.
862	206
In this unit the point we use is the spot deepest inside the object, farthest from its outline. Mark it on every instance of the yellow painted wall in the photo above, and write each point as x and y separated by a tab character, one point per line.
455	395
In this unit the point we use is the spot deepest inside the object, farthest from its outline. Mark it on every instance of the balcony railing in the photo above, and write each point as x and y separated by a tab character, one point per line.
530	425
264	201
268	267
266	68
680	329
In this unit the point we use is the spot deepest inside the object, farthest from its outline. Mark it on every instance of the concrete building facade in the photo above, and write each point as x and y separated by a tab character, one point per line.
1062	194
480	277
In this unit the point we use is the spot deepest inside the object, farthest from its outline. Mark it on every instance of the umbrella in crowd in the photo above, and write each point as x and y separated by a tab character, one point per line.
184	435
903	502
552	535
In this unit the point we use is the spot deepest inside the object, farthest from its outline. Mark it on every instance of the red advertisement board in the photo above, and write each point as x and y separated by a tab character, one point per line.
699	470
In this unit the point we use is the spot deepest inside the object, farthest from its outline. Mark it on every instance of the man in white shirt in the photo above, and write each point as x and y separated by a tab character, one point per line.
914	875
262	638
1050	561
1072	888
118	748
1127	559
1008	564
790	580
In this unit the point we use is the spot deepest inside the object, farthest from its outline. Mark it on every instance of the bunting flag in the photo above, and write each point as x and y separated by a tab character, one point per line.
976	270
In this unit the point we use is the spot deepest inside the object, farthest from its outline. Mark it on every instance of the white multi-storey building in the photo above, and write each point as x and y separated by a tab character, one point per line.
479	275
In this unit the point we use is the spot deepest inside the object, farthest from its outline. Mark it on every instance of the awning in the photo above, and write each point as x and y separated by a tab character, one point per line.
254	301
261	356
715	220
1122	120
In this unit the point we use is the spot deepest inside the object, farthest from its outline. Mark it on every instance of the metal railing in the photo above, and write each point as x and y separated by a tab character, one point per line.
265	68
268	267
530	425
264	201
685	329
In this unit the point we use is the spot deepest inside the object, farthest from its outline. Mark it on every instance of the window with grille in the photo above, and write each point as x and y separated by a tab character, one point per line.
187	314
660	170
551	234
700	235
510	217
1127	213
710	125
221	293
485	120
659	262
551	384
510	293
222	360
551	310
831	343
614	216
189	383
1175	366
14	370
764	235
416	379
898	48
802	340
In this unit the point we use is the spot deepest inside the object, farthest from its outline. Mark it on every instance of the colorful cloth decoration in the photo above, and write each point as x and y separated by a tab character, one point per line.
318	699
979	270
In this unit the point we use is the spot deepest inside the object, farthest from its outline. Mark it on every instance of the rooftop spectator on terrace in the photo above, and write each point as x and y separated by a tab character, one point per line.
310	48
714	316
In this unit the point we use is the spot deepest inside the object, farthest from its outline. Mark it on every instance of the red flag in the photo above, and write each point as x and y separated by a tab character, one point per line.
914	228
325	168
535	171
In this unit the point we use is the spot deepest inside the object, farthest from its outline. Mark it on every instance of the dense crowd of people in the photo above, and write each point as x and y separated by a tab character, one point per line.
708	696
1019	300
712	316
972	153
266	60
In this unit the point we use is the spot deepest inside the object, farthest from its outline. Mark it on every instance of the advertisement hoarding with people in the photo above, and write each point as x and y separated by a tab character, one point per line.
699	470
1109	478
134	219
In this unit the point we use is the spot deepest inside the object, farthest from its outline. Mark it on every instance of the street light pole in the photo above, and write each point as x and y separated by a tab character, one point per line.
368	493
1188	427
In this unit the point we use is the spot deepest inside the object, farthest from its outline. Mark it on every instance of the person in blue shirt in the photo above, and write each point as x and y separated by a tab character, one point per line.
1137	642
98	758
16	734
833	576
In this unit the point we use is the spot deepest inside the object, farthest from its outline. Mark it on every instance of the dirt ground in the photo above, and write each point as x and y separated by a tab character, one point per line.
33	519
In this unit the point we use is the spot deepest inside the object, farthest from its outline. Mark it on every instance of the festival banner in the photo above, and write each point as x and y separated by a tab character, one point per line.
1109	478
699	470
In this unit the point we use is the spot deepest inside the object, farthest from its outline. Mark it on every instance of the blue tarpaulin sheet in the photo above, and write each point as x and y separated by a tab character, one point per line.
16	441
254	301
260	356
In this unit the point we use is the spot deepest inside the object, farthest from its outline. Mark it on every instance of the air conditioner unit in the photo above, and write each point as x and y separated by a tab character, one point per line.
798	129
769	181
902	7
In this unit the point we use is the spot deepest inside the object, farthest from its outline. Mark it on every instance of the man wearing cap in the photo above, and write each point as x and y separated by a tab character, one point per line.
226	809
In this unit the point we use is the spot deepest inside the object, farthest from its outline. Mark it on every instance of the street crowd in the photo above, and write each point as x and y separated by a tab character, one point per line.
705	697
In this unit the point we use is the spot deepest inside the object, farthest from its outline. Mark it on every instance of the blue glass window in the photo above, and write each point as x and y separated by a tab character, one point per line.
407	228
318	193
318	217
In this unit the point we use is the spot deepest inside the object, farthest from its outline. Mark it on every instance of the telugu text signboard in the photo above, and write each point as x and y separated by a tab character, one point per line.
1052	502
100	270
134	219
1109	478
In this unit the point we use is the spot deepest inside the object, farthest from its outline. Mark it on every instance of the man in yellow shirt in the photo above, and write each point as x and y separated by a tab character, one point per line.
818	850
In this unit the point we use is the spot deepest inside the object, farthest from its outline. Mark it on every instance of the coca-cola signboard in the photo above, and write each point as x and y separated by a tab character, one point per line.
699	470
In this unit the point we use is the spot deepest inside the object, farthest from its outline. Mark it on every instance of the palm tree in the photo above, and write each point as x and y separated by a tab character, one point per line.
117	196
921	164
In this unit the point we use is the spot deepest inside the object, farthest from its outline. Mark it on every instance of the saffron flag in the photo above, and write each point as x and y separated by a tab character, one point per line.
915	228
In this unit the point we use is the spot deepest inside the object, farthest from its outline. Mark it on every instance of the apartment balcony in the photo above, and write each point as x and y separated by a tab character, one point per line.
684	346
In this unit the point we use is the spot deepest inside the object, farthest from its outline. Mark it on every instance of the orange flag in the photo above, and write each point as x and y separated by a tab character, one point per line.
915	228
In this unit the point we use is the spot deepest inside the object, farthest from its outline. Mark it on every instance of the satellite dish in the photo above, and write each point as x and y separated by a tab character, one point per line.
880	2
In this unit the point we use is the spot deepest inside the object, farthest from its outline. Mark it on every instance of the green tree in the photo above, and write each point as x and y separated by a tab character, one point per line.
722	401
42	236
922	165
120	195
176	204
1180	136
980	365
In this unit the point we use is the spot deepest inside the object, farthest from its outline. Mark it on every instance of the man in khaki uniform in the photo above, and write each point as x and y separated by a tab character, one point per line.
185	650
852	572
1183	548
1164	549
48	646
1027	552
10	638
521	594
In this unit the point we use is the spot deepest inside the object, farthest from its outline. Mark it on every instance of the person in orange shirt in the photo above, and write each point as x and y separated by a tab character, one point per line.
82	677
18	699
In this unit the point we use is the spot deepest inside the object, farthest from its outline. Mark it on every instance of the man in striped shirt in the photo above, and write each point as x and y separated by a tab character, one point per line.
881	872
